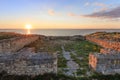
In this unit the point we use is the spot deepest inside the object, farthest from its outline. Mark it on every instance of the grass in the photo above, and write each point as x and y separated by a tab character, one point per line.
7	35
62	62
82	49
51	47
45	46
48	76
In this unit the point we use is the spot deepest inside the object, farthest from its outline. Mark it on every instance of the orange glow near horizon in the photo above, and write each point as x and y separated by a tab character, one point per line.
78	23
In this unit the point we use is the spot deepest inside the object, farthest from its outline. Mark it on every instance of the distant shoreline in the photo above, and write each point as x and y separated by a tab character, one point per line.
60	32
64	29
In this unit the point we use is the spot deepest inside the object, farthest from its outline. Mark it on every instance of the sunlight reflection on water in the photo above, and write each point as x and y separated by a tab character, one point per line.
28	31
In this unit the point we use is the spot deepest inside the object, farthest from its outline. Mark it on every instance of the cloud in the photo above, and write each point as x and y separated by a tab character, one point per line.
95	4
102	6
71	14
51	12
113	13
98	6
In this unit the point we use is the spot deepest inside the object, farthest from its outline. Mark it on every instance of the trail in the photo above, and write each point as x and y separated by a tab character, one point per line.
72	65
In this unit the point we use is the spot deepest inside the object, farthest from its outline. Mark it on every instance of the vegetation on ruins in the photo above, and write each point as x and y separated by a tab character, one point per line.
82	50
113	36
7	35
51	76
61	61
79	53
45	46
47	76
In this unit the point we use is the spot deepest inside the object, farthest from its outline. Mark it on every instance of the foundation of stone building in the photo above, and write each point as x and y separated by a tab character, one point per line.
28	63
25	61
105	64
107	61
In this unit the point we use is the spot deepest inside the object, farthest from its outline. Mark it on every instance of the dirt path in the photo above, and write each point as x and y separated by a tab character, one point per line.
72	66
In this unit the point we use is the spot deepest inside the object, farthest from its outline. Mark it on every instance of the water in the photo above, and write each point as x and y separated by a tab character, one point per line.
59	32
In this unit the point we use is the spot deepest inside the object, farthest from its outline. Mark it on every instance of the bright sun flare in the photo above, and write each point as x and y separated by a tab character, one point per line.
28	26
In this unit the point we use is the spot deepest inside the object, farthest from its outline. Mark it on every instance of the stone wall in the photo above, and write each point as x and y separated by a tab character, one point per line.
108	60
27	62
72	38
106	44
105	64
108	51
14	44
92	61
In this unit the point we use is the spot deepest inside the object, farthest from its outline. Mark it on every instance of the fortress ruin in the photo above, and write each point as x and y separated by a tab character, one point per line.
17	60
108	60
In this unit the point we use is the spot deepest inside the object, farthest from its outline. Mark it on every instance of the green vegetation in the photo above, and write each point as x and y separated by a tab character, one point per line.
51	47
49	76
7	35
80	55
45	46
82	47
113	36
62	62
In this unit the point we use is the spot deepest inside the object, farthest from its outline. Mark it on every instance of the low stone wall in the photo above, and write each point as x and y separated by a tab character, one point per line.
92	61
106	64
106	44
107	61
26	62
14	44
108	51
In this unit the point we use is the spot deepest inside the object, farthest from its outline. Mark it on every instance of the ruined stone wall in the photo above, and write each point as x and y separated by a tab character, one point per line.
108	60
106	44
104	51
108	51
105	63
26	62
22	68
92	61
14	44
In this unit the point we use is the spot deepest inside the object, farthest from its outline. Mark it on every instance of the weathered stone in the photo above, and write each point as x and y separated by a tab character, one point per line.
25	61
14	44
105	64
35	64
108	60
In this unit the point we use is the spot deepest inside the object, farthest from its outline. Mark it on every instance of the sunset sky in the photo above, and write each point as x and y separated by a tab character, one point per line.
57	14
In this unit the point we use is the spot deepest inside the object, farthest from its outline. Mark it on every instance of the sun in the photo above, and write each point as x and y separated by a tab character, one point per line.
28	26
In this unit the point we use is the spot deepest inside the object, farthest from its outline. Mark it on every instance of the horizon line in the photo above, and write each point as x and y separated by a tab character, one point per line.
57	28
